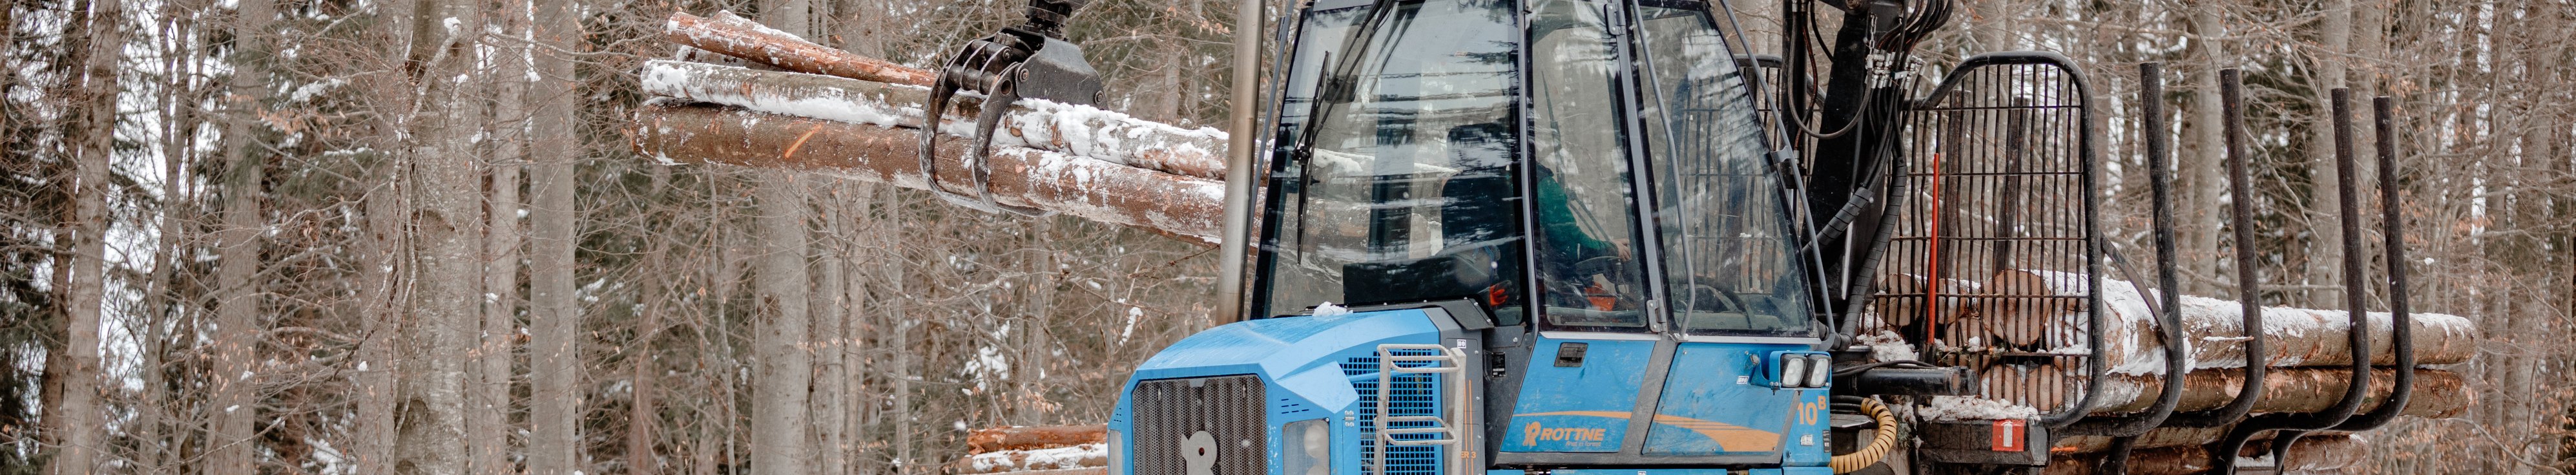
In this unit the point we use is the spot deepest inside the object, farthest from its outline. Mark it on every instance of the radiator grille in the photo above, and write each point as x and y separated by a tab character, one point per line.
1228	408
1413	395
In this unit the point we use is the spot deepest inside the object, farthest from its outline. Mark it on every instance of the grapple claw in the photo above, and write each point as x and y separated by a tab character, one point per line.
997	67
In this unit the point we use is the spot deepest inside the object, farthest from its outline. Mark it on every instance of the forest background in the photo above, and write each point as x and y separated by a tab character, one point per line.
372	236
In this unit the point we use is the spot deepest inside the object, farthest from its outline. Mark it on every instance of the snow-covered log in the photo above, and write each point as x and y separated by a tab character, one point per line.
2324	454
1074	129
2437	393
742	38
1034	437
2022	300
1021	461
1181	206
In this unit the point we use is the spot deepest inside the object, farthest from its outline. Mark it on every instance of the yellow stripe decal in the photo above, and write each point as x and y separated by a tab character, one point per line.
1729	437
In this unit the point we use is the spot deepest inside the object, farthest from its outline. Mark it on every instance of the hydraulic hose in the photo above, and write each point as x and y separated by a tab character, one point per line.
1879	445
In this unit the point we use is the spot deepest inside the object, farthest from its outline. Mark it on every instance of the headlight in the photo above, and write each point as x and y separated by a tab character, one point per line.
1817	371
1793	370
1307	446
1117	452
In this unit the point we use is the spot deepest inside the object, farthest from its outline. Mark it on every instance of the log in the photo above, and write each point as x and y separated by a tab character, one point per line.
2437	394
2021	306
1035	437
742	38
1059	458
2025	305
1901	300
1046	125
1185	207
2320	454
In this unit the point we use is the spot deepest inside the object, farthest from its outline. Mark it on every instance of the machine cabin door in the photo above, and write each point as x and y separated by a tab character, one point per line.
1662	255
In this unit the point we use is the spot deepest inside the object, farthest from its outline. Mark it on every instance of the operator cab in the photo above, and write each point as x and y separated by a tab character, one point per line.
1593	176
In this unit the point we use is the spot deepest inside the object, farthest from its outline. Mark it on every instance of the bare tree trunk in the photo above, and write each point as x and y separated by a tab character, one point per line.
555	318
2325	239
446	228
490	398
902	328
2205	152
781	379
233	389
80	419
379	304
831	310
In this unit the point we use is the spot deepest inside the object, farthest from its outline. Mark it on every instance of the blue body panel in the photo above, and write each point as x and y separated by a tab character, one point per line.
1714	403
1299	360
1578	409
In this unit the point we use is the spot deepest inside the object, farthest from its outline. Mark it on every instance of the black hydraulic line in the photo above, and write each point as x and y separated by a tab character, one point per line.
1886	230
2126	430
2392	231
2248	293
2292	426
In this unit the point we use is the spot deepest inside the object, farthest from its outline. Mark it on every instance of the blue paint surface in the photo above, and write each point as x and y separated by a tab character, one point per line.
1718	400
1299	361
1645	471
1578	409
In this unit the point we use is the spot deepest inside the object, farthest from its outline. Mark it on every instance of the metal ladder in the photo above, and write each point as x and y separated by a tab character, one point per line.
1452	364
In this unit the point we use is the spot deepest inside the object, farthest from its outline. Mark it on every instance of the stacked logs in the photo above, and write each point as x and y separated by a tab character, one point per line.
2040	313
830	111
1036	450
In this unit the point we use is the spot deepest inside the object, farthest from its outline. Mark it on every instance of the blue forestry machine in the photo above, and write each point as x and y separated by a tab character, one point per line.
1581	237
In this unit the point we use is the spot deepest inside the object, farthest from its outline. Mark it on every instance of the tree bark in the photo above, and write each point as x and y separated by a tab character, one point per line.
2205	154
489	400
1097	190
782	340
446	227
554	318
80	418
831	334
233	389
1034	123
741	38
2325	242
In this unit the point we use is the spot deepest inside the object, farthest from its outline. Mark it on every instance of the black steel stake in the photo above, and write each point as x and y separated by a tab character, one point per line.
2240	185
2392	228
2294	425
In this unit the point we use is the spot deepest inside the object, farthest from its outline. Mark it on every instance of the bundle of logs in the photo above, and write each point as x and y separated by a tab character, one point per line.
743	94
2307	354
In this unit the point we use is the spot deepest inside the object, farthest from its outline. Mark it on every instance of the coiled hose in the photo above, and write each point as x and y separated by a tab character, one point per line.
1879	445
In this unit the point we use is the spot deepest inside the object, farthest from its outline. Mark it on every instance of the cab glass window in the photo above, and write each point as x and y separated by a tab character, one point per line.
1728	255
1397	171
1583	209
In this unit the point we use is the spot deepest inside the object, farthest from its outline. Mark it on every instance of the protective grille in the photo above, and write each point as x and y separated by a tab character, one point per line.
1228	408
1993	257
1413	395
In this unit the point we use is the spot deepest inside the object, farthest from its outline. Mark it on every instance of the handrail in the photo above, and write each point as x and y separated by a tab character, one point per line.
1448	362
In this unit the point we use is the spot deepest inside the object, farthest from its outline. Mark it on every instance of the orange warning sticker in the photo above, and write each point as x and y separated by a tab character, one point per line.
2008	435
